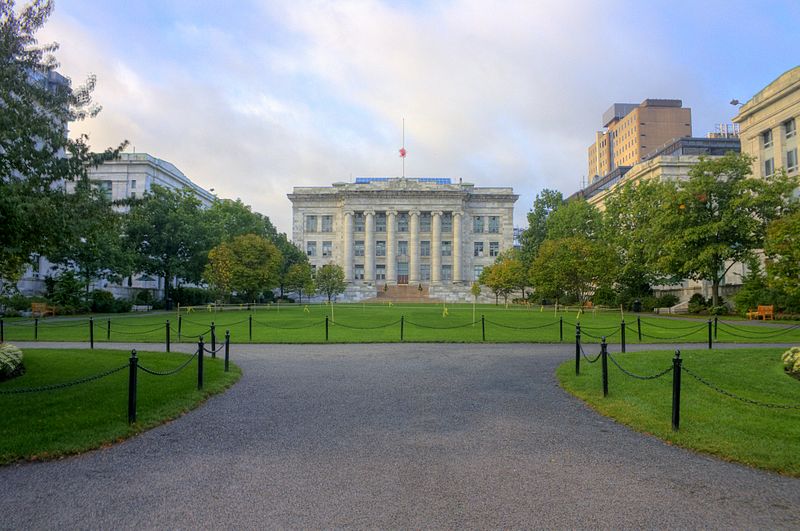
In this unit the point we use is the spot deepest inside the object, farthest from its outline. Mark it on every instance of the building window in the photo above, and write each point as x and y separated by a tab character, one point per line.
766	138
311	223
447	248
380	248
380	272
133	184
424	248
327	223
791	160
476	272
425	222
380	222
494	248
477	224
447	272
311	248
790	128
358	248
478	249
358	271
425	272
327	248
494	224
402	222
402	248
447	223
105	187
769	167
358	222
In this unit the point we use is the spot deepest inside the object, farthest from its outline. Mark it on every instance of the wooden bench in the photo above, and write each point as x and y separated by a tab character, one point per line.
41	309
763	312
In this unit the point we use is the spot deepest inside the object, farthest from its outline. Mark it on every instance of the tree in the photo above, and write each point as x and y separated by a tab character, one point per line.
299	279
291	255
248	265
574	218
227	219
516	269
573	267
38	158
476	291
546	202
169	235
497	277
330	280
716	217
782	247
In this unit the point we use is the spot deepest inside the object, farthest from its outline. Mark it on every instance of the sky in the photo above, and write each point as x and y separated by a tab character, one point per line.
252	98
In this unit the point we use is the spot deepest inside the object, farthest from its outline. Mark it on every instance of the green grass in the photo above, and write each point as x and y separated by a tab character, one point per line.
710	422
55	423
365	323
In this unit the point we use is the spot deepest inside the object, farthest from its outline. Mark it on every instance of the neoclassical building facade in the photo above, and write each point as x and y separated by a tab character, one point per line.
395	231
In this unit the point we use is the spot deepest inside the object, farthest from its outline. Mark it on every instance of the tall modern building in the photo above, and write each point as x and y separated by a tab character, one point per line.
404	231
633	131
768	125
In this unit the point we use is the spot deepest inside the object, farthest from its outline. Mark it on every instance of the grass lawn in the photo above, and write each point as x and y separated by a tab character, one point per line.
710	422
365	323
60	422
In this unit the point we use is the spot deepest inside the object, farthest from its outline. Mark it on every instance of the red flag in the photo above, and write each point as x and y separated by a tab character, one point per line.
402	152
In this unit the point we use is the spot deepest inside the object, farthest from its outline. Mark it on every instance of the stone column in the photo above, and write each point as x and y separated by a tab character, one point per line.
436	247
413	246
457	256
348	246
391	247
369	246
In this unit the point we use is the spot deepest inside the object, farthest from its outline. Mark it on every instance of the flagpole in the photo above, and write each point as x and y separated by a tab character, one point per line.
404	145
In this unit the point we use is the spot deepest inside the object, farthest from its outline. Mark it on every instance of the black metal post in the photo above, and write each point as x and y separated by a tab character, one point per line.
213	340
715	327
622	334
227	348
676	391
200	349
639	327
604	354
167	337
483	328
709	335
402	326
577	349
561	329
326	328
36	329
250	327
180	322
108	330
91	332
133	370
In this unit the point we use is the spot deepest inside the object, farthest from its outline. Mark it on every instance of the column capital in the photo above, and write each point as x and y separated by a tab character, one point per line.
414	212
369	212
457	213
349	213
436	213
391	212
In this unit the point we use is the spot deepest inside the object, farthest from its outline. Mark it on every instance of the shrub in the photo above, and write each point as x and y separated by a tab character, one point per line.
10	361
667	301
697	304
791	361
191	296
102	301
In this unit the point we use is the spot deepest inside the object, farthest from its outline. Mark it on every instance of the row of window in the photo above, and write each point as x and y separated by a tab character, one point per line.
791	163
315	223
446	272
402	248
789	128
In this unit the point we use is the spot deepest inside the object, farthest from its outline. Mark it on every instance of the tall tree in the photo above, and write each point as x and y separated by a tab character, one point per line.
248	265
330	280
574	218
545	203
299	279
718	216
782	248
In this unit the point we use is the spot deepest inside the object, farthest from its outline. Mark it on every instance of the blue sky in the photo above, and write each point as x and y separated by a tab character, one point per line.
252	98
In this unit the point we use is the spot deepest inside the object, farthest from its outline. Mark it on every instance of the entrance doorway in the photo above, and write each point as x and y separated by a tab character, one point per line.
402	272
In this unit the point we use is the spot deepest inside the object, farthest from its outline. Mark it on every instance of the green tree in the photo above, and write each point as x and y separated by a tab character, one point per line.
782	247
546	202
573	267
716	217
248	265
498	278
574	218
476	291
169	235
330	280
38	158
291	255
299	279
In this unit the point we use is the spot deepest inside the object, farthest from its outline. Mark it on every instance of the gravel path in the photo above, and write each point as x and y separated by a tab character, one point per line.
394	436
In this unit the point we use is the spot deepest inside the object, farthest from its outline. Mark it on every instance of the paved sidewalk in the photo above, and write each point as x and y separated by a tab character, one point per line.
388	436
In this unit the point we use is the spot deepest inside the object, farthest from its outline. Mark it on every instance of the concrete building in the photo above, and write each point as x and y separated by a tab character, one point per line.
768	125
632	131
414	232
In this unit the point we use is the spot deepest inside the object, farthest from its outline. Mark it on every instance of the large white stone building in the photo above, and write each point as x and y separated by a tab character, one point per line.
404	231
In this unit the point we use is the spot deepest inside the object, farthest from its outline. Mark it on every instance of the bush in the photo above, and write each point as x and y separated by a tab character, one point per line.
104	302
10	361
144	297
191	296
667	301
791	361
604	296
697	304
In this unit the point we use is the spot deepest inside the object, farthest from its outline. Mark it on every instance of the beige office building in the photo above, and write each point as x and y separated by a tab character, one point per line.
633	131
768	125
404	231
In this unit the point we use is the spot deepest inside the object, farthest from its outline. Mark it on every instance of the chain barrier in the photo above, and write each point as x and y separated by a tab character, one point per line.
197	336
651	323
214	351
757	335
584	333
170	372
638	376
366	327
309	325
737	397
440	327
753	328
64	385
588	359
521	327
140	332
683	336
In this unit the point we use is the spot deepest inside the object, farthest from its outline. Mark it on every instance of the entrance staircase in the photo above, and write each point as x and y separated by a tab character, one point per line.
404	293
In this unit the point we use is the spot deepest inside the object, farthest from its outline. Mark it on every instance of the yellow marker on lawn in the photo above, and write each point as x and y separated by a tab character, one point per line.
305	309
445	313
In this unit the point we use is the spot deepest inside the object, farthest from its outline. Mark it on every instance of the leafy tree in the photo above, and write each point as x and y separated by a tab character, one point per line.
228	218
168	232
291	255
546	202
782	247
716	217
516	269
497	277
476	291
248	265
299	279
38	158
574	218
330	280
574	267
